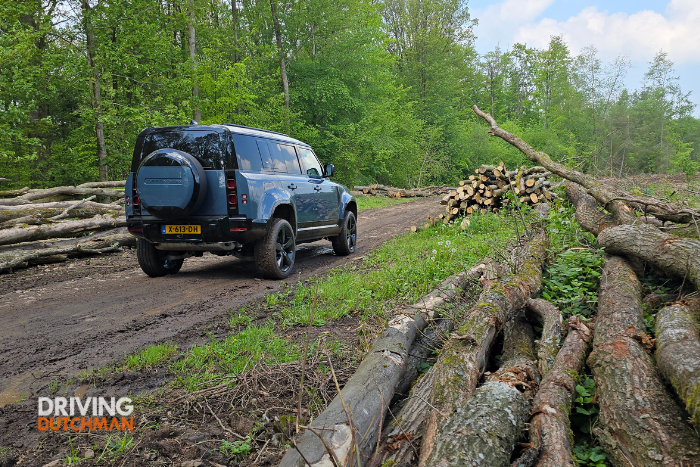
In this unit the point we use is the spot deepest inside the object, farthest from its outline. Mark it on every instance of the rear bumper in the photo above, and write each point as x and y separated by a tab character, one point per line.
214	230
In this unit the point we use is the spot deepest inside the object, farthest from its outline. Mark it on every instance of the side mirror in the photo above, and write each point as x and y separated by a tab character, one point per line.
329	170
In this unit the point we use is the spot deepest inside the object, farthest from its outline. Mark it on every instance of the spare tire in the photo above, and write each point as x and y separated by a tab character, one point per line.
171	184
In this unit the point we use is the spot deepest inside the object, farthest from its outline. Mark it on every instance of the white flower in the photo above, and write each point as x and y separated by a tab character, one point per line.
432	258
448	243
453	250
440	242
434	252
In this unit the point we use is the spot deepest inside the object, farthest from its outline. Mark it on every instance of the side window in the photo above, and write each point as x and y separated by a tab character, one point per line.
271	162
247	153
288	154
312	167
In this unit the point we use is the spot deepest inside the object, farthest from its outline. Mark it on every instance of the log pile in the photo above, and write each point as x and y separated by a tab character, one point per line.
32	222
487	190
393	192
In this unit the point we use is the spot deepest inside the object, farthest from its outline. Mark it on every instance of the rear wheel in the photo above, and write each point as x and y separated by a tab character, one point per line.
276	251
154	262
344	242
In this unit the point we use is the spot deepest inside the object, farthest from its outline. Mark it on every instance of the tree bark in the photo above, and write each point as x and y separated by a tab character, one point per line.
454	377
678	354
548	346
280	52
588	215
34	195
46	210
95	90
59	229
639	424
112	184
550	431
16	259
192	52
369	391
677	256
484	430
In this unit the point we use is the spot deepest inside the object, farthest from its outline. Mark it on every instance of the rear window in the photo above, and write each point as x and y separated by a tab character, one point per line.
208	146
287	154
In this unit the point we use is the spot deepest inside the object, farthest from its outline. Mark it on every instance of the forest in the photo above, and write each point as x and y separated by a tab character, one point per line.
382	89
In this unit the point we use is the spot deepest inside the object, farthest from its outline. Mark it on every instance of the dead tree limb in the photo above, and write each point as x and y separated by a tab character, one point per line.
366	396
677	256
639	423
59	229
549	425
34	195
47	210
65	212
678	354
454	377
17	259
484	430
548	346
112	184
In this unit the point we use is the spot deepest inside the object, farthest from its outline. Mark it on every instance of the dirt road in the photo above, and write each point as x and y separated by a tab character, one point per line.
59	319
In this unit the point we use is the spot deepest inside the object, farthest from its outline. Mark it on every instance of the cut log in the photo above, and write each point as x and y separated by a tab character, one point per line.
368	392
678	354
453	379
639	424
549	425
588	215
15	259
677	256
58	191
115	183
548	346
59	229
485	429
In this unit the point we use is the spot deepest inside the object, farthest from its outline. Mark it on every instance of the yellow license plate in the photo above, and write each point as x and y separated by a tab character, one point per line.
182	229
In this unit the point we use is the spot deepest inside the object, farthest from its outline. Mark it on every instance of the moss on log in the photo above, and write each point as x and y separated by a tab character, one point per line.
678	354
639	423
550	431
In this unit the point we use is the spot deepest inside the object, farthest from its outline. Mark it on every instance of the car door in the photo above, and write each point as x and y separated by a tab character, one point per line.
325	193
288	171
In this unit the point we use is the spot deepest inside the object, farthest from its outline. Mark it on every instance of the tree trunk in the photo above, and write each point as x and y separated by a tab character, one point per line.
27	197
280	52
453	379
678	354
677	256
46	210
548	346
192	52
549	425
16	259
484	430
588	215
369	391
96	92
639	423
59	229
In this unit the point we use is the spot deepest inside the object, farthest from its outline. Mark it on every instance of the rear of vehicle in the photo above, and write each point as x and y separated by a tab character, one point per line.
245	192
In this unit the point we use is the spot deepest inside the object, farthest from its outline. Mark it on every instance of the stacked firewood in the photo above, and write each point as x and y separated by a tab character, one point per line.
50	225
393	192
488	188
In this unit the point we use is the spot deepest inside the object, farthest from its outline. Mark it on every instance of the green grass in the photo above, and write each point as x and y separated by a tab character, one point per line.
402	270
228	357
150	356
375	202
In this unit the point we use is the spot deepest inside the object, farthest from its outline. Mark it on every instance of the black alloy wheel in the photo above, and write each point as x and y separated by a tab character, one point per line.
344	243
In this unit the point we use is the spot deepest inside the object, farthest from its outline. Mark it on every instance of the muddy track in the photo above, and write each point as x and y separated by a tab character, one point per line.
60	319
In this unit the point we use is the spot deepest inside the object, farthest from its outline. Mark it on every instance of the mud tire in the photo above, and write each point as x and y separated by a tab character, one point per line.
344	243
153	262
275	253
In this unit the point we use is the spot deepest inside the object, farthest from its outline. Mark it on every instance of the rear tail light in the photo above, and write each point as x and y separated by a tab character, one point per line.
137	201
232	199
231	184
231	195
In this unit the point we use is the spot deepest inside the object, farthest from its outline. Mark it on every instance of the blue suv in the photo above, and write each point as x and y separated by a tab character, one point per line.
232	190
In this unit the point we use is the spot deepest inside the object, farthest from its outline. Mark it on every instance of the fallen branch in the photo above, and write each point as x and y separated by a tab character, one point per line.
548	346
484	430
639	423
358	410
678	354
549	425
60	229
115	183
454	377
34	195
677	256
47	210
65	212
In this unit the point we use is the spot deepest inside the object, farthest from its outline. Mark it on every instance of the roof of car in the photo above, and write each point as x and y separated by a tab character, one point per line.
237	129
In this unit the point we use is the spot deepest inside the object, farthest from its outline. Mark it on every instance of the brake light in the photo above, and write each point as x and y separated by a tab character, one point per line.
233	199
137	201
231	183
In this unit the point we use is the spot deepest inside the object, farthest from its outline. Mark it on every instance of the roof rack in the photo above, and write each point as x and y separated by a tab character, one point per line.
258	129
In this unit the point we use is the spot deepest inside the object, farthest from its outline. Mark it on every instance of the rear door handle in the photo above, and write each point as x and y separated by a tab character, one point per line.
292	186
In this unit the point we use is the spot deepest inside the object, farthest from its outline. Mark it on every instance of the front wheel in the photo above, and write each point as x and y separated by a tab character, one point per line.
154	262
344	242
276	251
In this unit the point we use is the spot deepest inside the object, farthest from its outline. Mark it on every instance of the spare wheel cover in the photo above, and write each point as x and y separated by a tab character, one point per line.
171	184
